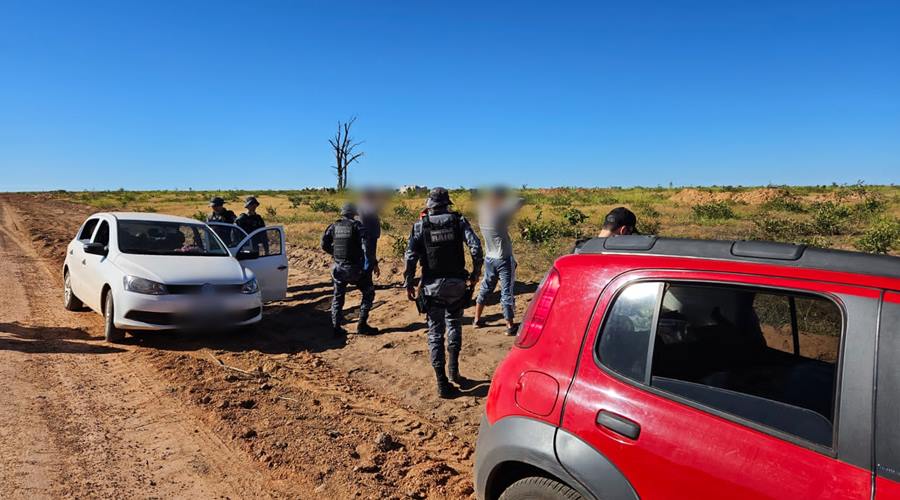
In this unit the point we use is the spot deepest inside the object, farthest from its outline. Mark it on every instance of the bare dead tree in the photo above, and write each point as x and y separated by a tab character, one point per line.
344	152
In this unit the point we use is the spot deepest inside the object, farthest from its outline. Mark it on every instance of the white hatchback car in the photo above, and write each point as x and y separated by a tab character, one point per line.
146	271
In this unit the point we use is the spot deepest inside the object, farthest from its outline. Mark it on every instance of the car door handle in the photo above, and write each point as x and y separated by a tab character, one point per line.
83	262
618	424
282	268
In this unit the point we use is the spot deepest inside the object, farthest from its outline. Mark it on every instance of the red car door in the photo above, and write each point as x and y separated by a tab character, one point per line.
699	415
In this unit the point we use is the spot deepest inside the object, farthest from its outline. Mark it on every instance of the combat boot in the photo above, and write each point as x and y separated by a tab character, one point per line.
453	372
338	331
444	389
365	329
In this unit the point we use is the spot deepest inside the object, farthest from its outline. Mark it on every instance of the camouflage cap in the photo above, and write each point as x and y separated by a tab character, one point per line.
438	197
216	202
250	200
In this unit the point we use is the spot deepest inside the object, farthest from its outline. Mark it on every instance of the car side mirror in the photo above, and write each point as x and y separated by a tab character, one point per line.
247	255
95	248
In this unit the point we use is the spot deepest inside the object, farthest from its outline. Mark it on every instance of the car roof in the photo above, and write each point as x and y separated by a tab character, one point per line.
151	216
763	252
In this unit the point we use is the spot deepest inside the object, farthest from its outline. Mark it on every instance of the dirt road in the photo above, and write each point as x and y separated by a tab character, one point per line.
285	412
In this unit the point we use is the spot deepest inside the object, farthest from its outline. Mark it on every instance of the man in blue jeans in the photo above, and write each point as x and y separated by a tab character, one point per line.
495	212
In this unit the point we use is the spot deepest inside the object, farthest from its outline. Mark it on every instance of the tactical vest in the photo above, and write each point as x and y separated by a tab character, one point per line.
347	242
444	247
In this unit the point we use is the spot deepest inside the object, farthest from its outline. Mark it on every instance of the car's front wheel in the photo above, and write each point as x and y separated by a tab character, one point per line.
70	301
112	333
539	488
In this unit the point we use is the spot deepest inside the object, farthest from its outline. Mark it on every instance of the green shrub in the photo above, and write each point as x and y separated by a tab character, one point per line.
271	211
646	210
295	200
200	215
714	210
398	246
881	237
539	231
385	225
404	212
560	200
649	225
829	218
785	201
323	206
574	216
774	228
232	195
648	219
871	205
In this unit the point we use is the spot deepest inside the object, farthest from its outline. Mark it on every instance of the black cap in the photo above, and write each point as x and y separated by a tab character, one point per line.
619	217
250	200
349	209
216	202
438	197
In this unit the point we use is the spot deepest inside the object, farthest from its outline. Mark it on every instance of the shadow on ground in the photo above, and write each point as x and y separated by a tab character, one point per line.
45	339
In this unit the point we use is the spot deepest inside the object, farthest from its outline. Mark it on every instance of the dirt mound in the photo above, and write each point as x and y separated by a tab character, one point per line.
693	196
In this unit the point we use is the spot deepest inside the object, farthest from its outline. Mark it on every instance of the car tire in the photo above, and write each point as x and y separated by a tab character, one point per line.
111	333
70	301
539	488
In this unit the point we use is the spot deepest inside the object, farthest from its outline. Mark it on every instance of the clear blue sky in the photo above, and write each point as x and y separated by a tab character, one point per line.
227	94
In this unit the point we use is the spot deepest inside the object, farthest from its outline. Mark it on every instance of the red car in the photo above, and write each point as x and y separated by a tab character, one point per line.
663	368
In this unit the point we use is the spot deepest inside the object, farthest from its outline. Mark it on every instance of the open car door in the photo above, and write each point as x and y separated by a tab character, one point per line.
263	252
231	235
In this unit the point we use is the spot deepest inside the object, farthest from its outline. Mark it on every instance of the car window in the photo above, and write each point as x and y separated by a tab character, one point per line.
766	356
88	229
102	235
264	243
231	235
627	330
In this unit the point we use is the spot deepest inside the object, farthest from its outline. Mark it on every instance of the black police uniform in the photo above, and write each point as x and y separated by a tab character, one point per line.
437	242
345	241
249	222
226	216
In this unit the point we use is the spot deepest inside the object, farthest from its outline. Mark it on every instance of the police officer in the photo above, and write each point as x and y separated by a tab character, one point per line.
345	240
219	212
437	242
250	221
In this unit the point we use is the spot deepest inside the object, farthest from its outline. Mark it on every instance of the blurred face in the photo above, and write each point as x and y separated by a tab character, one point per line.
252	207
218	208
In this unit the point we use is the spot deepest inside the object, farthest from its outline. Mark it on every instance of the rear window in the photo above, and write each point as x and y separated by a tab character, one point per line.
767	356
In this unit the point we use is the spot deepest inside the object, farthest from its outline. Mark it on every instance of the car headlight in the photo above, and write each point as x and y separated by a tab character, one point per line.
250	287
141	285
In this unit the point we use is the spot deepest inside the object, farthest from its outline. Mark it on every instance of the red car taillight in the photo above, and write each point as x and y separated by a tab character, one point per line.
538	311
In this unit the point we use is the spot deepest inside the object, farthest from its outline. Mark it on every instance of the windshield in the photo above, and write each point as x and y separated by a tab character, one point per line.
231	235
168	238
